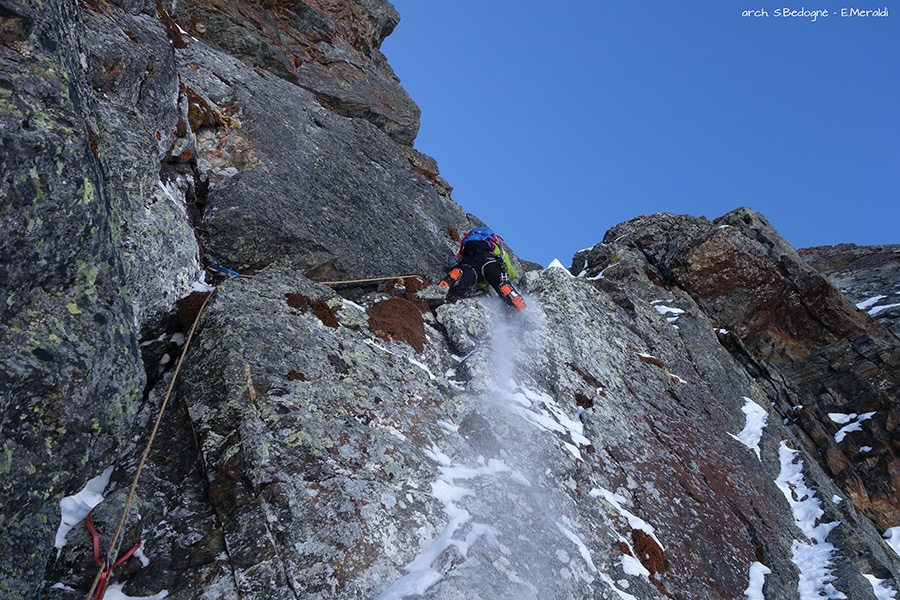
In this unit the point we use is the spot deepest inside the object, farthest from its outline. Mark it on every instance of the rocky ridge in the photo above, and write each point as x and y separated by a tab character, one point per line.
660	422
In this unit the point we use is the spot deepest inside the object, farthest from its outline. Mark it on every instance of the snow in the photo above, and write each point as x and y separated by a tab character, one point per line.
170	190
663	309
633	566
582	548
608	581
422	366
555	264
872	309
870	302
635	522
869	305
200	285
543	412
420	575
601	274
667	311
879	309
852	423
882	592
753	428
892	536
73	509
813	559
758	572
114	592
350	304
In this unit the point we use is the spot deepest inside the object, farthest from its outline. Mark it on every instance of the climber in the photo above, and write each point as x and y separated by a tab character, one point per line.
482	260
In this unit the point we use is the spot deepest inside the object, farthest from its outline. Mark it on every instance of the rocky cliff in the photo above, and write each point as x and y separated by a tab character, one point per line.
690	411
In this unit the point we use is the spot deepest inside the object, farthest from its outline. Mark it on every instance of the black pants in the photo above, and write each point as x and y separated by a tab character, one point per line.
480	268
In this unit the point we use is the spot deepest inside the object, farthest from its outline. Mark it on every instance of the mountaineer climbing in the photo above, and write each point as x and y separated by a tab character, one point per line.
483	260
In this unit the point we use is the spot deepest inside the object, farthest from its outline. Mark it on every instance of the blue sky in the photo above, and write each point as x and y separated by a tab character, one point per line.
555	121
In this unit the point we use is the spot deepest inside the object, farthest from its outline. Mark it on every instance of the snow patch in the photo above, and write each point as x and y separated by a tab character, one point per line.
669	312
114	592
813	559
892	536
200	285
882	592
870	302
753	428
758	572
880	309
602	274
555	264
633	566
73	509
852	423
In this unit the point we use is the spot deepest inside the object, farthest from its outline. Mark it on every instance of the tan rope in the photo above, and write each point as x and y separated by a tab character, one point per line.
370	280
373	279
113	546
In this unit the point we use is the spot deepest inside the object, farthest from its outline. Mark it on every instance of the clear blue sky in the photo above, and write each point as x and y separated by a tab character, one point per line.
555	121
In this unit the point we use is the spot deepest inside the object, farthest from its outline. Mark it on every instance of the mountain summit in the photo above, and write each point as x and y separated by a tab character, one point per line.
693	409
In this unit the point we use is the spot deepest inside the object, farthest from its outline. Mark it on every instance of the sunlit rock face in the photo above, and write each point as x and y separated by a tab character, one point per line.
824	361
868	275
690	411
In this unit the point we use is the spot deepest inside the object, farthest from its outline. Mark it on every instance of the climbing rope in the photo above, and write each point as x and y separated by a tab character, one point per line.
373	279
98	588
235	275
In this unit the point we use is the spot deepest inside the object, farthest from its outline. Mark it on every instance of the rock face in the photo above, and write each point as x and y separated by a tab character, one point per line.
868	275
692	412
824	362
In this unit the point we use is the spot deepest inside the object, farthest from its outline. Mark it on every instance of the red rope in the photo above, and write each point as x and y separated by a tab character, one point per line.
105	561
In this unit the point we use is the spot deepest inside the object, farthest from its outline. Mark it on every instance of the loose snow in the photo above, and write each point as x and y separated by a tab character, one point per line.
542	411
753	428
420	575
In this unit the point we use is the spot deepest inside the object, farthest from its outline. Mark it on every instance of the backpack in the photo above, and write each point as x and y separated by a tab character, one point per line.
481	240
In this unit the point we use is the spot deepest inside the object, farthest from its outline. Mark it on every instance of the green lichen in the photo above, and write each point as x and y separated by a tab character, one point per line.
88	196
6	463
